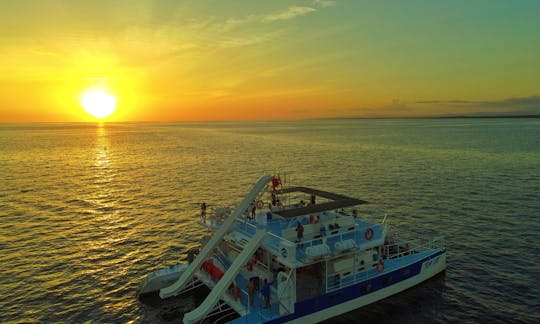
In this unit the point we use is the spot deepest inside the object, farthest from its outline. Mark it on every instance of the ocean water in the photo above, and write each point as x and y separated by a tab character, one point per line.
87	211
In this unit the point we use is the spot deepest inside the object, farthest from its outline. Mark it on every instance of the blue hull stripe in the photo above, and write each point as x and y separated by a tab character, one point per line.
363	288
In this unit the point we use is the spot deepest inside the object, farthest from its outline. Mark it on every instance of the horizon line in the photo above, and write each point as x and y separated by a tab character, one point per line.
280	120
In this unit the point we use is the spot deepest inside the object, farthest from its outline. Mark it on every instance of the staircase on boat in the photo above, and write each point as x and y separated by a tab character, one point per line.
206	251
223	284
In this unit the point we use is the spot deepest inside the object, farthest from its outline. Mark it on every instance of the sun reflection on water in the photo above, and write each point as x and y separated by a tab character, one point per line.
102	172
102	147
107	189
111	222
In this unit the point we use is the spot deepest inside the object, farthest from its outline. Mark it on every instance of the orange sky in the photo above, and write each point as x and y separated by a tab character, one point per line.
237	60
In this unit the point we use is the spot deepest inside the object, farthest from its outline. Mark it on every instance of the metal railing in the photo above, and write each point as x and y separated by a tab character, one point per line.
338	280
395	250
219	308
274	242
288	283
416	242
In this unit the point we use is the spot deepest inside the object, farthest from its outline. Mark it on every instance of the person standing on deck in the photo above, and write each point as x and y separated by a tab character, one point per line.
253	211
299	231
203	209
191	256
265	292
251	292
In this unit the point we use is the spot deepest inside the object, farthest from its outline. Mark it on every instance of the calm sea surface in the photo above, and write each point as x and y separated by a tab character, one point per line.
88	211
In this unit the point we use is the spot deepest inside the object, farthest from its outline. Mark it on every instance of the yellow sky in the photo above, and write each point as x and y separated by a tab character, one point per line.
235	60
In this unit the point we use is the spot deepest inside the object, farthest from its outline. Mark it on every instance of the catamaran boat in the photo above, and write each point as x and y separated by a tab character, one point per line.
279	258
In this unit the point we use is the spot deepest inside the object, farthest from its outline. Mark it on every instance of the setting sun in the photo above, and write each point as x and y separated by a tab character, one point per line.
98	103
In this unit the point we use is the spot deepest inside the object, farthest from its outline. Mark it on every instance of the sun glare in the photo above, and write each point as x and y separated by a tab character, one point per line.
98	103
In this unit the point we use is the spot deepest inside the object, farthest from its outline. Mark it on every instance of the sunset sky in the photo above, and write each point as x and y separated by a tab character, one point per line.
236	60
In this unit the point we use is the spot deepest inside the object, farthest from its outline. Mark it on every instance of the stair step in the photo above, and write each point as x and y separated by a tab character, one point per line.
243	242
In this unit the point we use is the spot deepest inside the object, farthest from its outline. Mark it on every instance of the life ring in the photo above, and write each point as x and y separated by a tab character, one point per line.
369	234
380	266
259	204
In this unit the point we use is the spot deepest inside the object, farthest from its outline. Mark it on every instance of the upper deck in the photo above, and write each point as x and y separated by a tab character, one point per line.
334	202
328	222
326	234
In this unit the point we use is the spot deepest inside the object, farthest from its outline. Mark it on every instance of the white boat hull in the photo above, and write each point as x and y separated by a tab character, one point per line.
161	278
429	269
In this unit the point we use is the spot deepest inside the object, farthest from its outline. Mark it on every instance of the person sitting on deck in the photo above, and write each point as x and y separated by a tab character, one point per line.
323	230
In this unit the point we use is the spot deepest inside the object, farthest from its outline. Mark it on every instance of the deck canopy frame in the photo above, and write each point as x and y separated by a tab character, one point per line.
336	202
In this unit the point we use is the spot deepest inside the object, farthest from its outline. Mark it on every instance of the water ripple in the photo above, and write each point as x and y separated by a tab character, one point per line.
87	212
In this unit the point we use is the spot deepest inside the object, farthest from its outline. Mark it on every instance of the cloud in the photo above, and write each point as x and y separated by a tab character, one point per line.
522	102
290	13
228	42
235	22
525	105
324	3
396	108
446	102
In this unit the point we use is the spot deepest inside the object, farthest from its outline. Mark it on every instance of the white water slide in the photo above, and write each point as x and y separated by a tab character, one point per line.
206	251
223	284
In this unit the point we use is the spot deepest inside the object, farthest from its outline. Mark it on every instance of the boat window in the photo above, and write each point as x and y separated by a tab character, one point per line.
366	288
